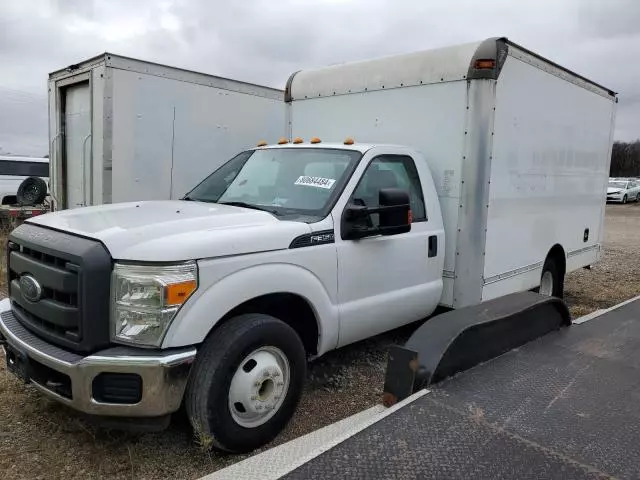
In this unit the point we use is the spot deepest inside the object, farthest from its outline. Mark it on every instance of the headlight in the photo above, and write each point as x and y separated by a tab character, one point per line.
145	298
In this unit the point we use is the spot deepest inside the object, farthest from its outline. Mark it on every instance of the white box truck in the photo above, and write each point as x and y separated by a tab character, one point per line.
519	148
122	129
496	184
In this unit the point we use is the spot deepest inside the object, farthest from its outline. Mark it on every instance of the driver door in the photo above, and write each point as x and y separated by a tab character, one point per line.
387	281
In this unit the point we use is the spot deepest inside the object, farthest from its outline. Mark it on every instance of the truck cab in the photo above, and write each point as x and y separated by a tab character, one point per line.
283	253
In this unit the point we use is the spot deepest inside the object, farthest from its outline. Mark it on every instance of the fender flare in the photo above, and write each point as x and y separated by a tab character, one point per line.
204	310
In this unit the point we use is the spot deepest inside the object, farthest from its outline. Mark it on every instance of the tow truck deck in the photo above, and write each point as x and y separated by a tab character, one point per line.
566	405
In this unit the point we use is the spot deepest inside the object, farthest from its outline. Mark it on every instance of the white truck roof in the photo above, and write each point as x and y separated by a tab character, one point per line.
21	158
358	147
425	67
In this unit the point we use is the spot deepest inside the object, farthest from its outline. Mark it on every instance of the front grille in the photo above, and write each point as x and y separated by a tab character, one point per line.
73	276
56	312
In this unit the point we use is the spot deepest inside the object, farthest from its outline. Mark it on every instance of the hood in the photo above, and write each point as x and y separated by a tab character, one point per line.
614	189
165	231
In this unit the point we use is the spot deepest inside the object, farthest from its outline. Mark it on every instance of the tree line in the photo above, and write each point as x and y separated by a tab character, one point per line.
625	159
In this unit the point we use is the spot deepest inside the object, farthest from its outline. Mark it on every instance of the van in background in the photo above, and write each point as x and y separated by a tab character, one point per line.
14	170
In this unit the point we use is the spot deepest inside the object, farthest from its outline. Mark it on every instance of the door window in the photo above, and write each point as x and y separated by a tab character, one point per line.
390	171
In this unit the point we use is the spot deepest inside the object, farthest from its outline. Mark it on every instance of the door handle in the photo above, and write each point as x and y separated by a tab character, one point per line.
433	246
84	178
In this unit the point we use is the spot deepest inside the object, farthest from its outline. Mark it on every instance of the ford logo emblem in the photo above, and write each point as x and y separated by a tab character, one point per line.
31	289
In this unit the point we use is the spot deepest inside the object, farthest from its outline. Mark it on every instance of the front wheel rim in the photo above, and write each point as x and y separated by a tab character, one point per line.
546	284
259	386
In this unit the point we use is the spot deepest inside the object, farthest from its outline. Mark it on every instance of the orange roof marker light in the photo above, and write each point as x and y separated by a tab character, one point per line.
283	141
262	143
348	141
297	140
315	140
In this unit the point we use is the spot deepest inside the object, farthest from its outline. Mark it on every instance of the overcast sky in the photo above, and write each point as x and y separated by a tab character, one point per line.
263	41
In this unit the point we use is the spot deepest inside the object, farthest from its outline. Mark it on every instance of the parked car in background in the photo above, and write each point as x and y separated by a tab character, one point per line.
14	170
623	190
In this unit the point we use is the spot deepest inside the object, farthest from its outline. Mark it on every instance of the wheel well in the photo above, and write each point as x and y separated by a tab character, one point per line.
558	255
292	309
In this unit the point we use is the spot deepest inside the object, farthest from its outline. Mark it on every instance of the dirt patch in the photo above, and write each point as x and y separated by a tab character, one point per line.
41	439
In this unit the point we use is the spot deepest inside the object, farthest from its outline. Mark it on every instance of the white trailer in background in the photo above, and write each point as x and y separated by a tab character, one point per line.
122	129
519	148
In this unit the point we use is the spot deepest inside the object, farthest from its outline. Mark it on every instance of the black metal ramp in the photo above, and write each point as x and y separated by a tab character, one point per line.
564	406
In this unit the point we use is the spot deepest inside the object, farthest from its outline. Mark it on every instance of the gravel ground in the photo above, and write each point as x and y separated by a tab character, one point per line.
41	439
617	276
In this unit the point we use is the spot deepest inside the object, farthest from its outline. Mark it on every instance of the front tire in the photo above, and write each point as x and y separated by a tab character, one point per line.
624	200
246	383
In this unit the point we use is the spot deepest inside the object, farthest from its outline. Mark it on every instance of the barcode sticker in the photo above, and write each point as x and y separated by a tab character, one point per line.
318	182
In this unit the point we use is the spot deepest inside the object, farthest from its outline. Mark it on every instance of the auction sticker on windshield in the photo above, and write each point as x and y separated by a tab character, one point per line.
318	182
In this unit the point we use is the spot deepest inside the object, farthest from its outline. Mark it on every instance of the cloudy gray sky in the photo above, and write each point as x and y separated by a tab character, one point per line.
263	41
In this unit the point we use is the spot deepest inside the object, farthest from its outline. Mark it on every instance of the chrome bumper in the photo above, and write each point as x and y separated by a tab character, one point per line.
164	375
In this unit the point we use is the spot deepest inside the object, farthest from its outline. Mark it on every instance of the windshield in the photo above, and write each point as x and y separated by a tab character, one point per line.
284	181
618	184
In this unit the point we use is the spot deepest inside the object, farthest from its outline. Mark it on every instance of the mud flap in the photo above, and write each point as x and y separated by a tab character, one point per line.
460	339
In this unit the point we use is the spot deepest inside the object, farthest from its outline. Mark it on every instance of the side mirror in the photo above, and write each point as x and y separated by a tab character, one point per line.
394	214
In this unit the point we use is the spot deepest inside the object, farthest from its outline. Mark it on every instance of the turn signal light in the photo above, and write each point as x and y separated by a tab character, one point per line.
297	140
178	293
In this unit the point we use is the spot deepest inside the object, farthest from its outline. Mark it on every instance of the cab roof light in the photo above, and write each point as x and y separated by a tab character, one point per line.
485	64
262	143
315	140
297	140
348	141
283	141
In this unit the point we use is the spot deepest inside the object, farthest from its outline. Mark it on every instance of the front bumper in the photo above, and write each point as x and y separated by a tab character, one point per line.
69	378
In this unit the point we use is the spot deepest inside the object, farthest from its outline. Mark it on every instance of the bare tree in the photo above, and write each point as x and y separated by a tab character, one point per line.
625	159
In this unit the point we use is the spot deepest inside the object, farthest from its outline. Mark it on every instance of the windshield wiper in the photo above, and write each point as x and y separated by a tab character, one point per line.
191	199
250	205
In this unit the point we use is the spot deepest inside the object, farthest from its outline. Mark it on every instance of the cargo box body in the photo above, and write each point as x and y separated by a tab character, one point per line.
519	148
